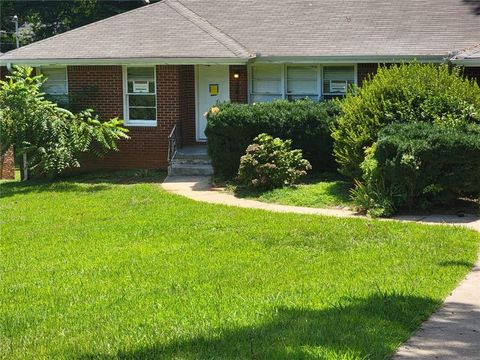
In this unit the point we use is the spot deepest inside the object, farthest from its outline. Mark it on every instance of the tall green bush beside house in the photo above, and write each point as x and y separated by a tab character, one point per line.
401	94
232	127
49	138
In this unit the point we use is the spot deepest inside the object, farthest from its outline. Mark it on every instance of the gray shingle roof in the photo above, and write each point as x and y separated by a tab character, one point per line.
154	31
232	29
470	56
471	53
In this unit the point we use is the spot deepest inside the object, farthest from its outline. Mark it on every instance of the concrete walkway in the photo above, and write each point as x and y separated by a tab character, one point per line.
453	332
200	188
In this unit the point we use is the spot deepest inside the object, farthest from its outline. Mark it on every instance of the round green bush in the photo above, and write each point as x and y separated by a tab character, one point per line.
401	93
271	163
420	165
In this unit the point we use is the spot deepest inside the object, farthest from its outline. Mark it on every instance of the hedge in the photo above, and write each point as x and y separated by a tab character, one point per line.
401	94
423	164
232	127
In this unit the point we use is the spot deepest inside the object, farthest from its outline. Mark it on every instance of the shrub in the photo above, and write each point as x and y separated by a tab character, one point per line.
53	139
232	127
401	93
418	165
271	163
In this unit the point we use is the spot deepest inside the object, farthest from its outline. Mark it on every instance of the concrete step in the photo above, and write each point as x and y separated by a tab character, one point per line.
190	161
189	156
179	169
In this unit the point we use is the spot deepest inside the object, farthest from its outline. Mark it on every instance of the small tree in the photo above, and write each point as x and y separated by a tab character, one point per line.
52	138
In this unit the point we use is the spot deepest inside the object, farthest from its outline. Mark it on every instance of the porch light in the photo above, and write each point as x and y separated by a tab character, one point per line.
236	76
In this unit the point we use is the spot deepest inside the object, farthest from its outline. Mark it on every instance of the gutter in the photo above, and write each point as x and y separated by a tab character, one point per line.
126	61
358	59
258	58
472	62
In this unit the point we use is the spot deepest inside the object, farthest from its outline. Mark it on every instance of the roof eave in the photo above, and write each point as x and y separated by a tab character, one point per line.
467	62
126	61
359	59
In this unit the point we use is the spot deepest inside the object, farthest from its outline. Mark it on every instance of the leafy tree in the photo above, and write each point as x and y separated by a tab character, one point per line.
52	138
40	19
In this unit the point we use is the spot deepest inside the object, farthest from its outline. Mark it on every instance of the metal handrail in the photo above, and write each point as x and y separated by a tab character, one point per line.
173	142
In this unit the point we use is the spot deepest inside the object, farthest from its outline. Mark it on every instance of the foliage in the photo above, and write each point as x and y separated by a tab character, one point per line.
41	19
232	127
223	282
401	93
53	138
271	163
419	165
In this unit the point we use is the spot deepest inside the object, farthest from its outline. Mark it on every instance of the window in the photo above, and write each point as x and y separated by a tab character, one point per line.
302	82
337	79
266	83
299	81
140	96
56	83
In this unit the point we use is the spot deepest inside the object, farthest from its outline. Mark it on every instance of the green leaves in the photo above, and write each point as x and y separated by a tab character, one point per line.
271	163
52	137
419	165
401	93
234	126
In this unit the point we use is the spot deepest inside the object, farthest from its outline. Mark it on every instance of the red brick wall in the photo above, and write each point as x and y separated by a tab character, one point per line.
7	165
3	72
107	96
363	70
239	87
147	146
187	104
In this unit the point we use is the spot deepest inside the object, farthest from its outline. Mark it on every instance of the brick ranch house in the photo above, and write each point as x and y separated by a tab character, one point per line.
162	66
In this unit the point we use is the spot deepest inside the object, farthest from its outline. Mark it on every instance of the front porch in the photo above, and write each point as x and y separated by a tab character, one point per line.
190	161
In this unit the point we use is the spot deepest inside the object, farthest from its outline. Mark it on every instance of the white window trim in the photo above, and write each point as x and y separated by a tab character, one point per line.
39	71
139	123
284	94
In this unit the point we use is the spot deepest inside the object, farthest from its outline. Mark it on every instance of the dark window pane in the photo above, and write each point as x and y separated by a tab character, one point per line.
141	100
143	114
140	73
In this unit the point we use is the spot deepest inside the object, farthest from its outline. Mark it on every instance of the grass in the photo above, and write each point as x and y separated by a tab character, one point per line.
320	191
114	267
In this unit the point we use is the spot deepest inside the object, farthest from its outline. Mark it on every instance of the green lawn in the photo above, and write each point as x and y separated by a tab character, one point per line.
117	268
321	191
